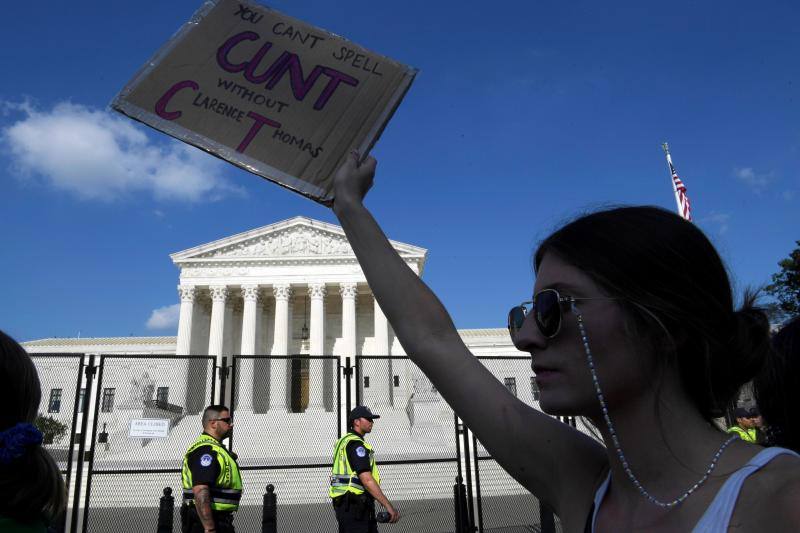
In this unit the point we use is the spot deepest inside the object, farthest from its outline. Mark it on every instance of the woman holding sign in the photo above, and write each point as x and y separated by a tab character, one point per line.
631	325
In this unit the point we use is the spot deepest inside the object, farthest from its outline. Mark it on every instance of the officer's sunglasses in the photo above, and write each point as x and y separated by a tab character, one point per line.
228	420
546	310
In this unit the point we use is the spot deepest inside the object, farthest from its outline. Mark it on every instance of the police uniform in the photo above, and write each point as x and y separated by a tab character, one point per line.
208	462
354	506
747	435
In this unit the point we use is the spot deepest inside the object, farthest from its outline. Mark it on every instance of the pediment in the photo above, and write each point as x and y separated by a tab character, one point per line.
296	238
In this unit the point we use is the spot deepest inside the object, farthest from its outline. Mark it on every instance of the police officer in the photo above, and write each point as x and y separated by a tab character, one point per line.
764	434
355	481
744	427
212	486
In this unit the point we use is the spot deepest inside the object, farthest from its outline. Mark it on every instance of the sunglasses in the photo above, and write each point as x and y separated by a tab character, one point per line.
546	310
228	420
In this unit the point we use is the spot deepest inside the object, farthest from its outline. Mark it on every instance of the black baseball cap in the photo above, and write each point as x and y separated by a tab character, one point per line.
362	412
741	412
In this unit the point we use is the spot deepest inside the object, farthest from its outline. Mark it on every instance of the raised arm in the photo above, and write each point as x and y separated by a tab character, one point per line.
549	458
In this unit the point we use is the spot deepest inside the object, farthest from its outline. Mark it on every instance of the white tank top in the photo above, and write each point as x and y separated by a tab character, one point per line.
718	515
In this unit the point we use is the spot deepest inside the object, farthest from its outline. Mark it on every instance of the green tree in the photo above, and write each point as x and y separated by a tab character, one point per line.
785	286
52	430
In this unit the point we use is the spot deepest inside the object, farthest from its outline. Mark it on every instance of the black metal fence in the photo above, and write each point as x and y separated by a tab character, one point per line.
128	463
289	411
494	501
501	502
415	440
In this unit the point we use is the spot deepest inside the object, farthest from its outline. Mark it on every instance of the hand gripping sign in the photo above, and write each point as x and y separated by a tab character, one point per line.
271	94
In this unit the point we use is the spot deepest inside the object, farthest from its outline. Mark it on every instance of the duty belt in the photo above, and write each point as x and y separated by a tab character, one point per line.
346	481
230	496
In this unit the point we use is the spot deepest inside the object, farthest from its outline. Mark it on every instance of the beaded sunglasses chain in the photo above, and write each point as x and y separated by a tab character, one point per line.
613	433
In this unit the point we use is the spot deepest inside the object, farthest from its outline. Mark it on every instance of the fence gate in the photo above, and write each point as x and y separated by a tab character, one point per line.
286	420
415	440
125	470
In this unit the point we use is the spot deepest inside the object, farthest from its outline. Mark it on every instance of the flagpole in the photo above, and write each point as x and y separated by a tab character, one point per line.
665	146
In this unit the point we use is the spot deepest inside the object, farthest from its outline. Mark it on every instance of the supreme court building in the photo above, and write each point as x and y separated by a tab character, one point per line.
290	288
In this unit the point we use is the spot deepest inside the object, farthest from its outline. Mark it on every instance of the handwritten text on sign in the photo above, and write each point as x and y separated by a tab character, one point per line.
269	93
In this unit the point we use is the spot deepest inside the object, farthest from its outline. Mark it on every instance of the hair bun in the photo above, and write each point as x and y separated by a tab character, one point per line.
749	339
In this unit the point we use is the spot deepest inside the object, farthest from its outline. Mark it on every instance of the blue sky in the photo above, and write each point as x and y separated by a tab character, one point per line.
523	115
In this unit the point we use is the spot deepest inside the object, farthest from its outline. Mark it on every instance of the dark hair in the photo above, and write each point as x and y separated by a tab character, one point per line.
31	486
676	290
777	384
211	412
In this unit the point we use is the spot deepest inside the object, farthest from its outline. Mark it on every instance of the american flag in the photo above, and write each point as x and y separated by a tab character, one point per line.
684	207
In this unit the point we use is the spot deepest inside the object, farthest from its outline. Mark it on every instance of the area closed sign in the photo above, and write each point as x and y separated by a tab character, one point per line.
148	428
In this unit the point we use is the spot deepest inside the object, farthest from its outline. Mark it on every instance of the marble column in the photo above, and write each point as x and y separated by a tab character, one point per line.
348	292
216	338
278	367
382	381
316	375
228	333
262	312
381	345
250	320
219	294
251	299
184	345
187	294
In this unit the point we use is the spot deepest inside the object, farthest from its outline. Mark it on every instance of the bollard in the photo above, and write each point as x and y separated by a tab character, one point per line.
457	505
460	499
165	510
269	518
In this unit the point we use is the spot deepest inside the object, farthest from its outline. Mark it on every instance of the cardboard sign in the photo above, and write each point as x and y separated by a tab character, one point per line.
271	94
148	428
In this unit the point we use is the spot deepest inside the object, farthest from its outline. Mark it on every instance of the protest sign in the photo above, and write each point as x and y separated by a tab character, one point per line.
271	94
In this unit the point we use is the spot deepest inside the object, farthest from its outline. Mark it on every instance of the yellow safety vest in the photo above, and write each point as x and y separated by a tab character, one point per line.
227	492
747	435
343	478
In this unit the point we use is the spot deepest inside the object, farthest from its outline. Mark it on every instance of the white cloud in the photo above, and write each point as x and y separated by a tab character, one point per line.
164	317
720	220
756	181
98	155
